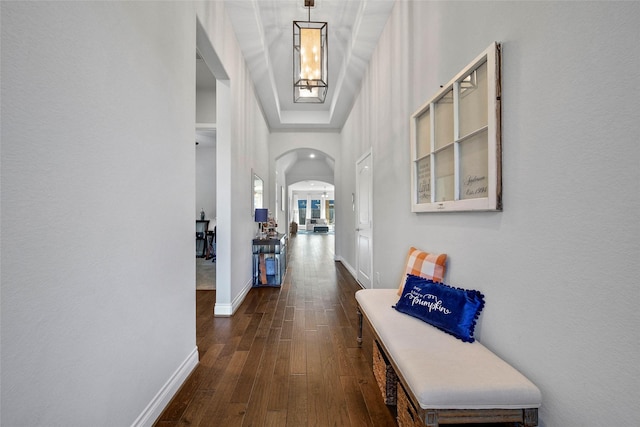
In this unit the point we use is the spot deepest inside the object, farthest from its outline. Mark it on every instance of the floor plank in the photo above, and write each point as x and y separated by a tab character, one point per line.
287	357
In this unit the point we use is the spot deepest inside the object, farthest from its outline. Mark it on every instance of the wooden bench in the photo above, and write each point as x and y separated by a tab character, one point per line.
440	379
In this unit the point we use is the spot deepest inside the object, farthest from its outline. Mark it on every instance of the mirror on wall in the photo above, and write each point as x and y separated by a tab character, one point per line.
257	188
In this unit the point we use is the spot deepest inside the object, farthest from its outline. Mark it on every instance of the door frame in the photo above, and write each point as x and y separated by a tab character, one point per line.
223	305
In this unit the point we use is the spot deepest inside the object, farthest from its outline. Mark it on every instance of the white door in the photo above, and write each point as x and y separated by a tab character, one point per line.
364	222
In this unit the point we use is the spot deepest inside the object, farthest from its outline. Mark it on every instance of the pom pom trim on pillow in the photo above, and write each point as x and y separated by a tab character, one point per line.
424	264
452	310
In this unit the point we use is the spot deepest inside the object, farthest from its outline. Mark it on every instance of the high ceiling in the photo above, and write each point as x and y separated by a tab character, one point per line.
312	187
264	29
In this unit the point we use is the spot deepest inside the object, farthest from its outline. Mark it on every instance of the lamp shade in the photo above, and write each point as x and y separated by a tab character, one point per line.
262	215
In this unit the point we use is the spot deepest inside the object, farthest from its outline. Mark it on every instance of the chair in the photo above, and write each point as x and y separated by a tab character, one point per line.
201	237
211	244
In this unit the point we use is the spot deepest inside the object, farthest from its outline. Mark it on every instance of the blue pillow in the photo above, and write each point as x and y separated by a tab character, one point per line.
452	310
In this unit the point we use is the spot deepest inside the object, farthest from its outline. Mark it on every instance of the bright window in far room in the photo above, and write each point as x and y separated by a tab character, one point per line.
315	208
302	209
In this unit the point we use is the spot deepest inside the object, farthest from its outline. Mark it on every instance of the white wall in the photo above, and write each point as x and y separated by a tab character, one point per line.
241	149
206	104
281	203
96	161
310	169
98	191
559	265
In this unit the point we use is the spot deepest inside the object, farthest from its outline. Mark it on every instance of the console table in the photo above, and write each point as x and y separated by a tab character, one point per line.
269	260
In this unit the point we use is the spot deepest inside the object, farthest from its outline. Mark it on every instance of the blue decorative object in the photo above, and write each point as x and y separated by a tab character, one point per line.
270	266
453	310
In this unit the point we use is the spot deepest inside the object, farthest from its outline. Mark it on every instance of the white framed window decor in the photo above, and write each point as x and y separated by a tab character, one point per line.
456	151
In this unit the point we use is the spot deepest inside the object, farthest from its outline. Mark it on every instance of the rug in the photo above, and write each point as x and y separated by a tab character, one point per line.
312	232
205	274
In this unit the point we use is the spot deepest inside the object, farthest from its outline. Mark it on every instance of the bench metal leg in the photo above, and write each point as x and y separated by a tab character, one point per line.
359	327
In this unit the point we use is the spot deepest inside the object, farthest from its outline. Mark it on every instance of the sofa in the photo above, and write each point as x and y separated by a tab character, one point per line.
316	225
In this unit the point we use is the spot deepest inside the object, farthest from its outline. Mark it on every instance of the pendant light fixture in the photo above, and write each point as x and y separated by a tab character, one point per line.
310	59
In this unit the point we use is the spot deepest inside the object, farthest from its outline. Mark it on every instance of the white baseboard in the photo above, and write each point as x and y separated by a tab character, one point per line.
226	310
166	393
349	268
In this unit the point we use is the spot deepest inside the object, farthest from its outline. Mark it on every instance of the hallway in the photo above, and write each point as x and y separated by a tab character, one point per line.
288	357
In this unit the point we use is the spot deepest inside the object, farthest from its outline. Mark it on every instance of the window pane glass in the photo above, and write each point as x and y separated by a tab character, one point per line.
424	180
444	168
423	134
444	120
474	168
315	208
473	101
329	209
302	210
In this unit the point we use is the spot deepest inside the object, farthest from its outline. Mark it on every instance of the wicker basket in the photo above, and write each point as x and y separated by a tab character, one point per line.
385	375
407	415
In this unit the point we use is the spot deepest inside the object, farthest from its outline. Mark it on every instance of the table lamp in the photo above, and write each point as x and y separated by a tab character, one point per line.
261	216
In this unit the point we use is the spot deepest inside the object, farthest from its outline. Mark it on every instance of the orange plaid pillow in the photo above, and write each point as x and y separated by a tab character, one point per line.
424	264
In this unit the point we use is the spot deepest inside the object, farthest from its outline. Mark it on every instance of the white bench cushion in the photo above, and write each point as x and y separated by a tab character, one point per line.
442	371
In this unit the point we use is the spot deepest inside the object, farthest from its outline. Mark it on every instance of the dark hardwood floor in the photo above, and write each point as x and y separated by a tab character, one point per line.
287	357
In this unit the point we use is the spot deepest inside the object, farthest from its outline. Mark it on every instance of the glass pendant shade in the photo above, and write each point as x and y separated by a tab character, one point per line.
310	55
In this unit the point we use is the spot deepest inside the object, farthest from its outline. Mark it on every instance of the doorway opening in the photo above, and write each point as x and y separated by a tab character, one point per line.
305	177
205	209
